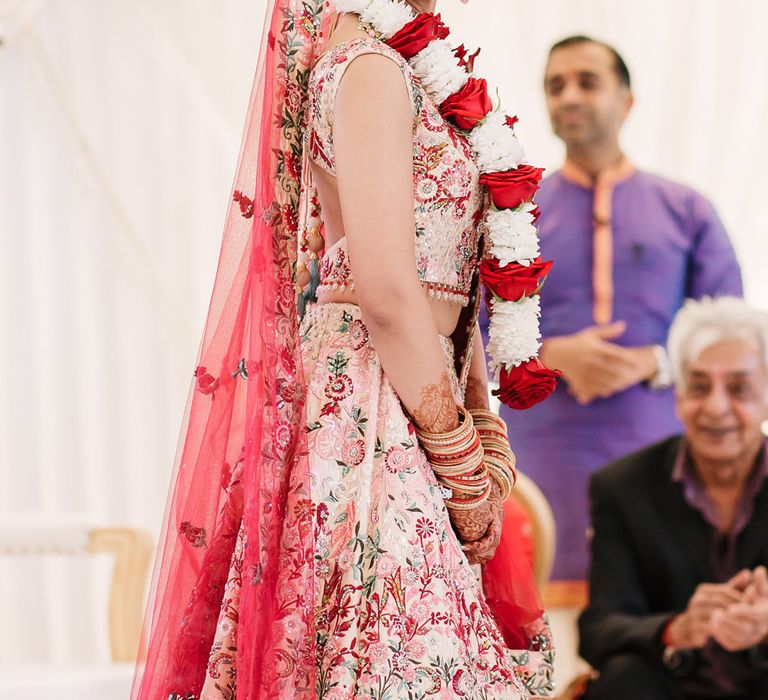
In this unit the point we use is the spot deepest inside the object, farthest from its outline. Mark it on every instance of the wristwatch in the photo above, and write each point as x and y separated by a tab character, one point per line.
663	378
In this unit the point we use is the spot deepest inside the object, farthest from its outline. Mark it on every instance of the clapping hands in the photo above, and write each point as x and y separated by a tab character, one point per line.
744	624
734	614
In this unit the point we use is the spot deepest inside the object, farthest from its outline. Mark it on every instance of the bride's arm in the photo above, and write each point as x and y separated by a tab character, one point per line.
373	145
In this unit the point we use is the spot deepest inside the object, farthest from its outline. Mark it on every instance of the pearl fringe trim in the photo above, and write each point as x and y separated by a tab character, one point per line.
434	290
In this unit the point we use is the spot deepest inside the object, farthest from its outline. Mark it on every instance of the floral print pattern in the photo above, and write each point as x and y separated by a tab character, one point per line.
335	270
448	199
399	612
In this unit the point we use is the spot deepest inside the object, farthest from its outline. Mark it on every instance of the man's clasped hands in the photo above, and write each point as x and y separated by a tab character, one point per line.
734	614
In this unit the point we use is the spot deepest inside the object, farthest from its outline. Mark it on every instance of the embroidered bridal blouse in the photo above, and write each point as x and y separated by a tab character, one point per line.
447	197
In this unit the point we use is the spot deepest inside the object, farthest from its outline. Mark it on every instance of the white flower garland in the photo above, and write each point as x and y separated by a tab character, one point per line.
513	335
512	235
495	145
438	71
388	17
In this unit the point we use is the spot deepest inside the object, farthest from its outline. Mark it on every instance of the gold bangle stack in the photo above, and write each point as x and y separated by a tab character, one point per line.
499	457
457	459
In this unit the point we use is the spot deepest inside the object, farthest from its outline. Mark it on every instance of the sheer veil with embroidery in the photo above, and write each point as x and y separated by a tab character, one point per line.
243	429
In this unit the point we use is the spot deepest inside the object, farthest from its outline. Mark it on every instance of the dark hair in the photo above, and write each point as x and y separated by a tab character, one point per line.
622	72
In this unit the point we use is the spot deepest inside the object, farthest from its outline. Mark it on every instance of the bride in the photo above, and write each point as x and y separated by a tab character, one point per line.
340	471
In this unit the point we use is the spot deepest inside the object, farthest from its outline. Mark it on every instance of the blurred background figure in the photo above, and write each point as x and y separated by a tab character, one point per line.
628	247
678	586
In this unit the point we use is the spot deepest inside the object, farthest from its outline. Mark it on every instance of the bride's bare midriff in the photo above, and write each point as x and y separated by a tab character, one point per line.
445	313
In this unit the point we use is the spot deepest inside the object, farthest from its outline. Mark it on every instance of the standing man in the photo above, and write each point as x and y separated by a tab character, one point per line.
628	247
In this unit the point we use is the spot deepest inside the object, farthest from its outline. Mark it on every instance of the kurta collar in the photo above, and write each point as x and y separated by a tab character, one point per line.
612	175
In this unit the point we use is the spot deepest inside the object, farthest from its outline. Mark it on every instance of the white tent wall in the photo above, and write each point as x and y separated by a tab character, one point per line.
119	131
115	117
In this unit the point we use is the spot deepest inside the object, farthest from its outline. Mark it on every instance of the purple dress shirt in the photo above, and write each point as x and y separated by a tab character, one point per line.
668	245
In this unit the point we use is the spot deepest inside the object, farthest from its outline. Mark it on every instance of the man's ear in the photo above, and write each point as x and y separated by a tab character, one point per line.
629	101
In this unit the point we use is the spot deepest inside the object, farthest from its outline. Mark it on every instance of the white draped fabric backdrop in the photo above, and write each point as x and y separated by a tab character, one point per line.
119	130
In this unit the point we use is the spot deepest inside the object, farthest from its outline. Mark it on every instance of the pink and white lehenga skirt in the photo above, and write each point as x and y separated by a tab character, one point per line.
399	611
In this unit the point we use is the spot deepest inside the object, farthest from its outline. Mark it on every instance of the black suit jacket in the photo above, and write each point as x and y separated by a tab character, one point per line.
650	550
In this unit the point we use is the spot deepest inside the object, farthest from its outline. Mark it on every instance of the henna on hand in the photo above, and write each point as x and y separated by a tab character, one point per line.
437	412
481	549
472	525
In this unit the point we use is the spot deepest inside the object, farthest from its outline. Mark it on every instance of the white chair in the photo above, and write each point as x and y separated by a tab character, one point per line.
44	534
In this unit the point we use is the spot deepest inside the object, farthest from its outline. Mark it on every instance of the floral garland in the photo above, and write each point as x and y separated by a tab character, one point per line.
512	270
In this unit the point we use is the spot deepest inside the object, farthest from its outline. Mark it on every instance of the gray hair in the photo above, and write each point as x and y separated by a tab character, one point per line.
700	324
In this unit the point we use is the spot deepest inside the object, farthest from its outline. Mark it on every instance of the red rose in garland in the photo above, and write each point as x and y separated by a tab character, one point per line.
526	385
417	35
510	189
514	281
468	107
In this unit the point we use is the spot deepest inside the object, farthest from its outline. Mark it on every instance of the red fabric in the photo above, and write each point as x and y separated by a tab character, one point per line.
518	524
245	414
508	580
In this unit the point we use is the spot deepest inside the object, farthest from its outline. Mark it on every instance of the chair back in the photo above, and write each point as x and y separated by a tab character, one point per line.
67	534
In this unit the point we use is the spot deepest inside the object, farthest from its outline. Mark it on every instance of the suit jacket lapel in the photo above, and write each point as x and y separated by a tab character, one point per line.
683	523
753	542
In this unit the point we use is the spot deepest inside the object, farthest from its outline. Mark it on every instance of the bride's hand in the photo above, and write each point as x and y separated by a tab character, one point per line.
482	550
472	525
479	530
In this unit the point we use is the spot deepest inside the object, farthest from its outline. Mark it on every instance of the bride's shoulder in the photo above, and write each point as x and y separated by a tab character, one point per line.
363	64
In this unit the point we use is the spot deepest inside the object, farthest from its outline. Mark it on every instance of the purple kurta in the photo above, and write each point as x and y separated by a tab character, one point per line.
668	245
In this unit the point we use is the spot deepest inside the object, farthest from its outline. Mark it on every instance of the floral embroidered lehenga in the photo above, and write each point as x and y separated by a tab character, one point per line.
400	612
327	566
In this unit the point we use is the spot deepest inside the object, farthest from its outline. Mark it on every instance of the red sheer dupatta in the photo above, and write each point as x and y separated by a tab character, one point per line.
243	438
511	593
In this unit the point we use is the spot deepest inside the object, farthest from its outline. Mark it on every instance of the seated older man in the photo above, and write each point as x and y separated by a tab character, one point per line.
678	585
